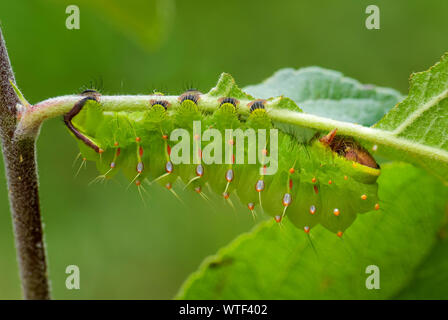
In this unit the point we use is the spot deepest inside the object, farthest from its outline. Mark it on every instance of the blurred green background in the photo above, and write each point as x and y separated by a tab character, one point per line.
126	250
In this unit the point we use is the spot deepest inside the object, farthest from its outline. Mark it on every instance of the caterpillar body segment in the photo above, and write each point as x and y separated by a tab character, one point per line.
321	178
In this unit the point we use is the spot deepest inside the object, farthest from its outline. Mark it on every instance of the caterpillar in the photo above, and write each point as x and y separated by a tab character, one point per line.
320	178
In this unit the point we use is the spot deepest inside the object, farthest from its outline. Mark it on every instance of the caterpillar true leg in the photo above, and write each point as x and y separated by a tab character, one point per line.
68	122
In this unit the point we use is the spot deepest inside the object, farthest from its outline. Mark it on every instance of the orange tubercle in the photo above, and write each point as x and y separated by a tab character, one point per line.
364	197
377	206
339	234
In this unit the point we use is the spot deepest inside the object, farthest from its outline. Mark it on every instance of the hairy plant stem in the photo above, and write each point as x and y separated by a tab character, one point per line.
21	173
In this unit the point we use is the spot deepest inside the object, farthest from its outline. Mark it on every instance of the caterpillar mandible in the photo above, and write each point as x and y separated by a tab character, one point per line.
321	178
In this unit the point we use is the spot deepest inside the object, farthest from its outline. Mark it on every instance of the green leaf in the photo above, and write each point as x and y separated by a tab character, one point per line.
329	94
422	118
430	280
273	262
227	87
414	131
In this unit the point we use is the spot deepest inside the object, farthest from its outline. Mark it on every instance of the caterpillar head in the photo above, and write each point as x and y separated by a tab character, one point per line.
349	148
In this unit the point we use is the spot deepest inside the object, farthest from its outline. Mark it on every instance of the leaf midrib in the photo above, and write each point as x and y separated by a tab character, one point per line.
417	113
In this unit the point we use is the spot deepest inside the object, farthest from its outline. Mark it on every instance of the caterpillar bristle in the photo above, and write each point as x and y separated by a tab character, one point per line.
191	95
256	104
162	103
89	92
93	85
230	100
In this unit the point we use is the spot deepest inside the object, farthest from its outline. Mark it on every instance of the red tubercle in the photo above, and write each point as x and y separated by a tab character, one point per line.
118	152
290	184
140	151
316	189
168	149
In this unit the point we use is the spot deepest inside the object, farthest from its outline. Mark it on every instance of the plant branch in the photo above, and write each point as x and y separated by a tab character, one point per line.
21	174
32	117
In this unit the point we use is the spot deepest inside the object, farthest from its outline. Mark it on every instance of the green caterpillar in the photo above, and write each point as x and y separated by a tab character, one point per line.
321	179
